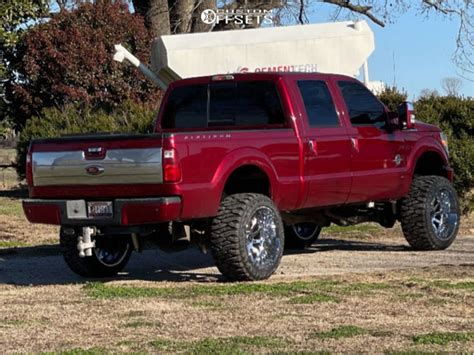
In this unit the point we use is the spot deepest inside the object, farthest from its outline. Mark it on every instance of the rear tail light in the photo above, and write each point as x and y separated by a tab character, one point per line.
171	166
29	169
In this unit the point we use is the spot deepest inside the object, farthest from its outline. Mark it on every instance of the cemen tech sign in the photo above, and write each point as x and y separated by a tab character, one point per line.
305	68
237	16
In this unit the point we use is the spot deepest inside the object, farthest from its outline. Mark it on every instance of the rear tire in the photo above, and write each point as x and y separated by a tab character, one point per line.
247	237
301	235
110	255
430	213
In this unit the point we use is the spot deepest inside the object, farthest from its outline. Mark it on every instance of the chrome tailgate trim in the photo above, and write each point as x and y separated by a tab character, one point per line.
119	166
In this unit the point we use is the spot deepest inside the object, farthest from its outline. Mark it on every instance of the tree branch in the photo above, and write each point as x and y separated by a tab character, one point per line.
361	9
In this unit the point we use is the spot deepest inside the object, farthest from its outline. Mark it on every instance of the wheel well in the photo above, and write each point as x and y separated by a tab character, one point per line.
430	163
248	178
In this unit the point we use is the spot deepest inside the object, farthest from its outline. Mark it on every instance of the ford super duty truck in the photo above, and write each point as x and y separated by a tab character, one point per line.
244	164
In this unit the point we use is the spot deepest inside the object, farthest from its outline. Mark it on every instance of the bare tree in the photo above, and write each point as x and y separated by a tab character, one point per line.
451	86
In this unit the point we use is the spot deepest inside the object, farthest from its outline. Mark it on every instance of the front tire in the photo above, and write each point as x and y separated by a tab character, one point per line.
109	257
247	237
430	213
301	235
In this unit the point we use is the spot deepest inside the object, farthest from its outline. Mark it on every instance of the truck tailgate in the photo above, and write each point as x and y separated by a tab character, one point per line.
97	160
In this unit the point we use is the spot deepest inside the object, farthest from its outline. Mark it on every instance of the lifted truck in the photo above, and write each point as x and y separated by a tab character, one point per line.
243	164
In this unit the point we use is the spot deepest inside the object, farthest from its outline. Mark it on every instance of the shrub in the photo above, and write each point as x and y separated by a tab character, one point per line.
69	60
455	116
76	118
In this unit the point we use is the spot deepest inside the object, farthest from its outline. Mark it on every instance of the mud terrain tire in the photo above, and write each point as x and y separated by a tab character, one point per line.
430	213
247	237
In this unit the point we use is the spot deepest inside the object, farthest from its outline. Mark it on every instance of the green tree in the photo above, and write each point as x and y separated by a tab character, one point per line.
16	16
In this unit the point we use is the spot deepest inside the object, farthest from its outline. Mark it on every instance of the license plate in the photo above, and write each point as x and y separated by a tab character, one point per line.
100	209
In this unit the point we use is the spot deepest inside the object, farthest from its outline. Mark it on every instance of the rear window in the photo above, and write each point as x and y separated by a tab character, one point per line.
223	104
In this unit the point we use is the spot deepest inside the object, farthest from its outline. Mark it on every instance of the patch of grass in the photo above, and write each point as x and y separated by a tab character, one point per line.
101	290
79	351
8	323
358	228
445	284
12	244
162	344
409	352
345	331
142	324
10	207
236	345
212	305
365	287
314	298
440	338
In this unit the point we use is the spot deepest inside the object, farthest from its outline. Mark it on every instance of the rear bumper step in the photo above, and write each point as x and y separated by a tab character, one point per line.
133	211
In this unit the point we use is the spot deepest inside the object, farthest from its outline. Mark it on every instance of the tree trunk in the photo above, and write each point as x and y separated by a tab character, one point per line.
156	14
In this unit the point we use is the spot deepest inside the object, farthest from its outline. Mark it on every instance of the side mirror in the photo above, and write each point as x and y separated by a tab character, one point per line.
406	116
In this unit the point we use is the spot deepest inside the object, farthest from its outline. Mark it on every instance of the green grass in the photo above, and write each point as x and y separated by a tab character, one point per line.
228	345
440	338
358	228
4	244
10	207
309	291
445	284
79	351
345	331
236	345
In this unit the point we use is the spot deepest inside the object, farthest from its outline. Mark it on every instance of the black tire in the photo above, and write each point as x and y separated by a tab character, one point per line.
301	235
117	248
235	251
419	213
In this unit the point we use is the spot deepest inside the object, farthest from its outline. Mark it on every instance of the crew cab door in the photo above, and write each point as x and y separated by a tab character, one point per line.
326	146
378	163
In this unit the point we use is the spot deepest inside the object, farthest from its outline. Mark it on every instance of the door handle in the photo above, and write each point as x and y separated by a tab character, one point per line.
313	146
355	144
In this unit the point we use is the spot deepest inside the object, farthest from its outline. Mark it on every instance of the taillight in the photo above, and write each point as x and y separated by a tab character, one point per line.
171	166
29	169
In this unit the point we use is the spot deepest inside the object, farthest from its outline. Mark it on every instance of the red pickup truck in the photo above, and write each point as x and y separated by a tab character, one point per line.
244	164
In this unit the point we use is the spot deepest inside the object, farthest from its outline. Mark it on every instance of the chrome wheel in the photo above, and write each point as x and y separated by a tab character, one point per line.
111	253
263	243
305	231
444	214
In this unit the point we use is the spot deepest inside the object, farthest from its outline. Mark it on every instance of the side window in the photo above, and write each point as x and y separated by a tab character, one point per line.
318	103
258	103
186	107
363	106
250	103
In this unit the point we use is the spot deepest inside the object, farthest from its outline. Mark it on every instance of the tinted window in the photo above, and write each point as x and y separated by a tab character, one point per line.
230	103
363	107
222	104
318	103
186	107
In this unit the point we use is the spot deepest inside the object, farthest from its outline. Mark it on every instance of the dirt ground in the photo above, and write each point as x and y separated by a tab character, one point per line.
359	290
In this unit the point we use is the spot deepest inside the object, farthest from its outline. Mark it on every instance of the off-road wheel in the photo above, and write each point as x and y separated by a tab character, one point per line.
247	237
110	255
430	213
301	235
